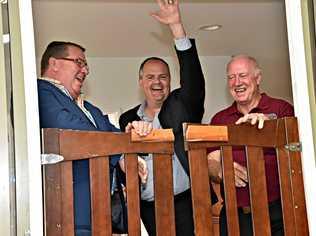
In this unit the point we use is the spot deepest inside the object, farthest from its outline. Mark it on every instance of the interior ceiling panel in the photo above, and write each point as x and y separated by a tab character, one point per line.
114	28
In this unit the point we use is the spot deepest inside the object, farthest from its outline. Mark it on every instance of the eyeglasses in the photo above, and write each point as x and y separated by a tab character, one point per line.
78	61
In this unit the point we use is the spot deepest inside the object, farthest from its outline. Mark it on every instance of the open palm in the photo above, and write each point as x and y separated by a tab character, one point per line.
168	14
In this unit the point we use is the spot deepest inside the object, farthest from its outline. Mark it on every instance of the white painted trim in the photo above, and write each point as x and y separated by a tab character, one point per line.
302	104
32	118
5	145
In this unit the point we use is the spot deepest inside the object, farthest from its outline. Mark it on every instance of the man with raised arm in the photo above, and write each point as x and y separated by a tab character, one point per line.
165	109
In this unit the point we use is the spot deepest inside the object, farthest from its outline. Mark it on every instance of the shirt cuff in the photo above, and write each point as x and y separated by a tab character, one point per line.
182	44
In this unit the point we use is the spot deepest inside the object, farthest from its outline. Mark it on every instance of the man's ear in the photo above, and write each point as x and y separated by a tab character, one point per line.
259	78
140	82
53	63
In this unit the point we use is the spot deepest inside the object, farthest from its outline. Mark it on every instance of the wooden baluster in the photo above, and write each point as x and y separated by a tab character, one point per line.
100	191
258	191
286	191
59	199
200	188
132	188
230	191
163	187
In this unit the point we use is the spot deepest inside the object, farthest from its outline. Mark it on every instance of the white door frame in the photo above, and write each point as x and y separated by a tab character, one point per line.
5	144
27	134
302	104
299	87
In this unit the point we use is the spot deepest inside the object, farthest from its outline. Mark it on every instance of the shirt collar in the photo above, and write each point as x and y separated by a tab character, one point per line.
264	102
141	111
142	115
51	80
58	84
262	105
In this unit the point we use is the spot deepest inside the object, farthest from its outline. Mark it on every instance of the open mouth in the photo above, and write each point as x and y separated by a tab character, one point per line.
239	90
156	88
80	79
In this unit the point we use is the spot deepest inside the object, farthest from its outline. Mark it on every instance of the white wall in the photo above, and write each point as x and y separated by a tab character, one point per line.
112	84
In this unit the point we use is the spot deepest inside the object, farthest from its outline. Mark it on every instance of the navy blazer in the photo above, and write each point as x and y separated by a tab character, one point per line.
57	110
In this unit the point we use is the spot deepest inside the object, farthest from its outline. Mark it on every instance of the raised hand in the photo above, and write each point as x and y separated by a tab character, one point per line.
169	14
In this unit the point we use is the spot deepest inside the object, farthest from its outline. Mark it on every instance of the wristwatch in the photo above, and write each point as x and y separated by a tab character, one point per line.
272	116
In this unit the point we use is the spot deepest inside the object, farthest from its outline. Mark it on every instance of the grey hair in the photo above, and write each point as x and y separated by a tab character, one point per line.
251	59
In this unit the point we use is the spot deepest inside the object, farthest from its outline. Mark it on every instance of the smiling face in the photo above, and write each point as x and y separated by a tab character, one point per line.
69	73
155	82
244	78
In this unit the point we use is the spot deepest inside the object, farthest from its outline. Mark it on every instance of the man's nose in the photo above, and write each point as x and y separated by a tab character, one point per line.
156	79
85	70
237	80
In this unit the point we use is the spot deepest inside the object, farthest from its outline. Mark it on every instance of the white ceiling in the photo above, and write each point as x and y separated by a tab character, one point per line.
121	28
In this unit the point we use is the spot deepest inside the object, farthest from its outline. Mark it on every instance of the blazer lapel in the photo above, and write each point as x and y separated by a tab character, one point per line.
74	108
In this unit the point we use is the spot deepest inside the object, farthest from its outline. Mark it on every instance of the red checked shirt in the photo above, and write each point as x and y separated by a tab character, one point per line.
230	115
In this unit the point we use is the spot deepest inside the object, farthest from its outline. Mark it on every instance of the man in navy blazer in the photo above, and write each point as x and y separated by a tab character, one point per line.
63	71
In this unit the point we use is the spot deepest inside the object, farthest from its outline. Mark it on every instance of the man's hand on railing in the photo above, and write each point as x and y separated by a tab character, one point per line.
215	169
241	176
142	168
142	128
254	118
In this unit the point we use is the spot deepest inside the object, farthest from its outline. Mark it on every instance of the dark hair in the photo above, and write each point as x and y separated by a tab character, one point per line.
57	49
140	73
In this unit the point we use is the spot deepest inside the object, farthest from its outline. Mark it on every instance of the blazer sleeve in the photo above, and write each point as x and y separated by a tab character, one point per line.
192	90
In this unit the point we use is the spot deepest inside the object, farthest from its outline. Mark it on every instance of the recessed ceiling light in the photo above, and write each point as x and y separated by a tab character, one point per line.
210	27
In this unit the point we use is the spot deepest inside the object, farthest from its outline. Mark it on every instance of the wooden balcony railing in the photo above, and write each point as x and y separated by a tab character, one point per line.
98	146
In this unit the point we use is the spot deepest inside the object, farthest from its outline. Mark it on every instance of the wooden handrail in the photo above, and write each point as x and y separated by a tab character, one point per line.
156	135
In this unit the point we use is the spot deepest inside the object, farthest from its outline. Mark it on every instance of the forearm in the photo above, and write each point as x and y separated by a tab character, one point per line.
214	170
177	30
214	166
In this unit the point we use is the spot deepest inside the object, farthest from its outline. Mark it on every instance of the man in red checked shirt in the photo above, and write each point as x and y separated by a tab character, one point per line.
250	105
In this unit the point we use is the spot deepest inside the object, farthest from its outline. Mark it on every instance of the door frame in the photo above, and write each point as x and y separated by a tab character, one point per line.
29	210
300	97
302	102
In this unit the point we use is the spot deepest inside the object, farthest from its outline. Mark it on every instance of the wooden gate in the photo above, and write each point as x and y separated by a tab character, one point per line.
281	134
